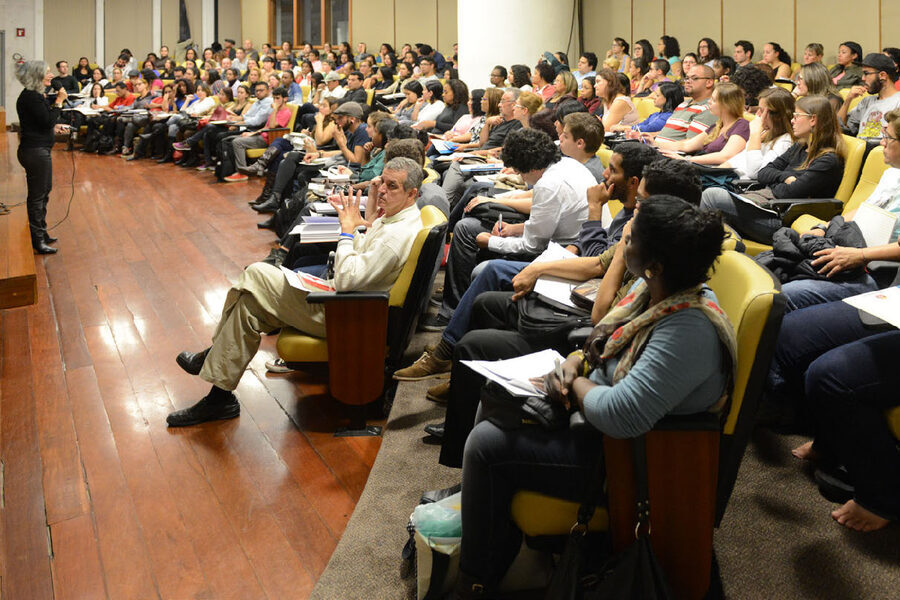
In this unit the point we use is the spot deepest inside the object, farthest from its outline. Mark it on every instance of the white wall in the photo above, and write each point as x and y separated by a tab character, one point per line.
30	15
508	33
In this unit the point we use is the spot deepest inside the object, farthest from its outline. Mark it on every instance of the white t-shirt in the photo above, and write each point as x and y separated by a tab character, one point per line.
867	119
748	162
430	112
887	196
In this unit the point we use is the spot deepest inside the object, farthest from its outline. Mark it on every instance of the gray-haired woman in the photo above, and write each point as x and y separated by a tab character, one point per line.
38	121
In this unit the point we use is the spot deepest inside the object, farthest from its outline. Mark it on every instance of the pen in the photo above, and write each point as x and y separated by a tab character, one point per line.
500	222
558	368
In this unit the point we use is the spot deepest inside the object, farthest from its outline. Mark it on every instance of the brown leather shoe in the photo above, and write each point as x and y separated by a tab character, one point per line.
439	393
426	367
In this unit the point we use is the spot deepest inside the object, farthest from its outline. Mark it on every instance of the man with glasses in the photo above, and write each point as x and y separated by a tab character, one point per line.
867	121
691	117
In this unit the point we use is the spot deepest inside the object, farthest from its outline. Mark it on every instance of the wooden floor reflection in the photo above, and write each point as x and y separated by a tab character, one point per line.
100	499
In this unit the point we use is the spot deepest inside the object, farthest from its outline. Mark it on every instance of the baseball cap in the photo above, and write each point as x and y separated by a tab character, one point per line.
352	109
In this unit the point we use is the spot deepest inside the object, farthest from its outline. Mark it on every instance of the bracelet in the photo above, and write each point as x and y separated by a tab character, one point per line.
585	367
348	236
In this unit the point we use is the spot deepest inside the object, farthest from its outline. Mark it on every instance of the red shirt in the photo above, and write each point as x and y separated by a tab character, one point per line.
127	100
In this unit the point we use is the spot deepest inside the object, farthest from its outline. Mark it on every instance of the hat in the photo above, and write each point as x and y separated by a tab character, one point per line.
880	62
332	76
133	73
351	109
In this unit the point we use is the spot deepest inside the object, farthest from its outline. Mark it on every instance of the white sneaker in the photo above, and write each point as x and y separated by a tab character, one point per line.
277	366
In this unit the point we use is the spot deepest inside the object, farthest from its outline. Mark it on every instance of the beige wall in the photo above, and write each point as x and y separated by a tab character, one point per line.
230	20
254	21
69	31
759	21
401	21
127	26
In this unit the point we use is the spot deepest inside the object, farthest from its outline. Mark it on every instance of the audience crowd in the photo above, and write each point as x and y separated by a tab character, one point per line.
690	148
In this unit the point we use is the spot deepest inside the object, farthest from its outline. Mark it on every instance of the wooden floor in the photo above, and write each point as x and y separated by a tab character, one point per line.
100	499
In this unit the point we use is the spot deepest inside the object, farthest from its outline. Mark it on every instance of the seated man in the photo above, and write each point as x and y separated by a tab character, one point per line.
558	209
691	117
355	91
867	119
262	300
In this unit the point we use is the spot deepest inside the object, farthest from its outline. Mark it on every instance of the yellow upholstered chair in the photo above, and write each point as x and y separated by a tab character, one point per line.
367	332
893	417
854	150
645	107
868	181
692	460
604	153
276	133
431	175
370	96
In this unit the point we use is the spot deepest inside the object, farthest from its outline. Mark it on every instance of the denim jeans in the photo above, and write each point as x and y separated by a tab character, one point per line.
807	292
490	276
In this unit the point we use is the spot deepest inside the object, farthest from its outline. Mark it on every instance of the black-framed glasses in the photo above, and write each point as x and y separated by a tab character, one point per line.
890	138
867	73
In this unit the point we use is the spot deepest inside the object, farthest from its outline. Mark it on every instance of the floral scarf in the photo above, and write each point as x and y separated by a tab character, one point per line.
625	329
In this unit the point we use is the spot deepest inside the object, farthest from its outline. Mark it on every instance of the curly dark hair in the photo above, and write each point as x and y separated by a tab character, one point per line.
665	222
671	46
521	76
460	92
674	177
635	156
528	150
753	81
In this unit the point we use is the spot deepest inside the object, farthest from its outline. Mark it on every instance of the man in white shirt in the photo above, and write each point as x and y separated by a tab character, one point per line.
333	83
558	208
262	300
587	67
867	121
240	60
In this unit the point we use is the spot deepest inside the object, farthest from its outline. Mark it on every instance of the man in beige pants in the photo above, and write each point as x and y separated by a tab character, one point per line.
262	300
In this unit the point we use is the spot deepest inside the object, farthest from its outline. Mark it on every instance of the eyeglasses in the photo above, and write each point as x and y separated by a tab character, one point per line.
887	136
506	101
867	73
697	78
517	105
800	114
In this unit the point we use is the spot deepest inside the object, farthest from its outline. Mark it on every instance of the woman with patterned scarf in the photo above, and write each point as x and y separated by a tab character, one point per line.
666	348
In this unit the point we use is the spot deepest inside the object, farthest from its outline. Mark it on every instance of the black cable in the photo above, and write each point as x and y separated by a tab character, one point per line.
571	28
71	196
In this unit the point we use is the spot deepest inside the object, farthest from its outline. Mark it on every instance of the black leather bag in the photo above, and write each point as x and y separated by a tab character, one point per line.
489	213
514	412
542	319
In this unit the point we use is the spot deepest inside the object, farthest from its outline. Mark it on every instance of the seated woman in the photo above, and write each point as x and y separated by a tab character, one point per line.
727	138
838	376
666	97
520	77
587	95
707	52
669	49
776	57
455	98
618	107
724	67
490	106
469	123
619	50
82	72
383	79
811	168
526	106
116	78
639	68
688	62
835	263
771	133
848	70
413	91
665	349
566	87
815	80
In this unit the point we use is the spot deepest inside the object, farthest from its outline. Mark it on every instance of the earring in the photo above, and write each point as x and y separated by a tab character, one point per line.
648	273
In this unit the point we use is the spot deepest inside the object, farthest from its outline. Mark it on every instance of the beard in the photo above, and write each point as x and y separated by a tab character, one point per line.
875	87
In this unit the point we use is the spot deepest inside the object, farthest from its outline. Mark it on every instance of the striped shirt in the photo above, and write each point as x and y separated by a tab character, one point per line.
689	119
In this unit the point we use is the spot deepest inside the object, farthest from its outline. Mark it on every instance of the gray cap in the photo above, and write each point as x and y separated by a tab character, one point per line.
351	109
879	62
332	76
133	73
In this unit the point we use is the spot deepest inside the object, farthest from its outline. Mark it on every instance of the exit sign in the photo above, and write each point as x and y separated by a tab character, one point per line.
20	32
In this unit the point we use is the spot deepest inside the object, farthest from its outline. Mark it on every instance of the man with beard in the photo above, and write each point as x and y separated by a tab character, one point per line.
866	121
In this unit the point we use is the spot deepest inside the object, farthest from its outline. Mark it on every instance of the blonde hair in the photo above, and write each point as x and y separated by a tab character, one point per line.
826	135
569	87
730	97
612	62
531	101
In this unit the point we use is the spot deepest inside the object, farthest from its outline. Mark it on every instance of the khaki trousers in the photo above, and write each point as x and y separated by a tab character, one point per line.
260	301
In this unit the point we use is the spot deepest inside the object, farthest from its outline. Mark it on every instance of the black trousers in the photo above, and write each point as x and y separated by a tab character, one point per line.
39	178
493	336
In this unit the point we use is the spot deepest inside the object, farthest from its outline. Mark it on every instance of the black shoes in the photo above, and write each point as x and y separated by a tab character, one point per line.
434	323
48	239
42	248
269	206
276	257
208	409
435	430
438	495
191	362
267	224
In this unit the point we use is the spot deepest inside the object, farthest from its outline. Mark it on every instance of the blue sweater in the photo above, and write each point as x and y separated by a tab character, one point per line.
654	122
680	371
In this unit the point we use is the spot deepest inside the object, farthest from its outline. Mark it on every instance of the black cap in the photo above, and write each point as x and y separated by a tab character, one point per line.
880	62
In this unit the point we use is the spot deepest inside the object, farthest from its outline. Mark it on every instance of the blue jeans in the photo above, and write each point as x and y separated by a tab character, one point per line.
490	276
807	292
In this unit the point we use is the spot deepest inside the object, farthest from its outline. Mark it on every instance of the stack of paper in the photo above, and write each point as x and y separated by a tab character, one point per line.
876	224
444	147
514	374
306	282
481	168
315	229
555	288
884	304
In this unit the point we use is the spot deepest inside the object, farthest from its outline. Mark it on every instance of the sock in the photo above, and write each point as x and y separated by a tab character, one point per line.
444	350
219	395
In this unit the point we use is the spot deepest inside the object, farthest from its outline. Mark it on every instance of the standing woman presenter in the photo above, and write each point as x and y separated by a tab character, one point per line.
38	120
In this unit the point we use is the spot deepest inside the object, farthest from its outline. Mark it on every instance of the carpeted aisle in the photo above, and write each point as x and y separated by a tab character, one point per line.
777	539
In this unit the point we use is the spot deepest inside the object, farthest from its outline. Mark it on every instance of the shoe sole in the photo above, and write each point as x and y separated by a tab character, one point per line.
223	417
226	180
274	369
435	399
422	377
433	328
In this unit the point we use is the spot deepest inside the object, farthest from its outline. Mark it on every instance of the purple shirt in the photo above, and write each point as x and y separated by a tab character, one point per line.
741	127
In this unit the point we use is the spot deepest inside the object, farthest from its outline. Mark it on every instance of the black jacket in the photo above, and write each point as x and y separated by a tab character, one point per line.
791	256
37	116
820	179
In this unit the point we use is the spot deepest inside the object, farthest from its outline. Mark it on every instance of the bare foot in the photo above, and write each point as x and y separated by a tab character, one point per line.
854	516
805	452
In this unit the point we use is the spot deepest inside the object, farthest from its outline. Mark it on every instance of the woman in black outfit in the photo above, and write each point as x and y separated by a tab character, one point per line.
38	120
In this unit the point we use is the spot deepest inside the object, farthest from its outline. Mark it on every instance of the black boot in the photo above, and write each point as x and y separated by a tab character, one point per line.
267	190
37	236
267	224
217	405
259	167
167	157
270	205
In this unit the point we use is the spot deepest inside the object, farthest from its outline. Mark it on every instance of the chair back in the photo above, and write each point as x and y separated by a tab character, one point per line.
290	124
370	96
604	153
872	171
854	150
411	291
645	107
750	296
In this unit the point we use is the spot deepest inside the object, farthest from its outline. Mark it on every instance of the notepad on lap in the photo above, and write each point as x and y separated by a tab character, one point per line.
876	224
